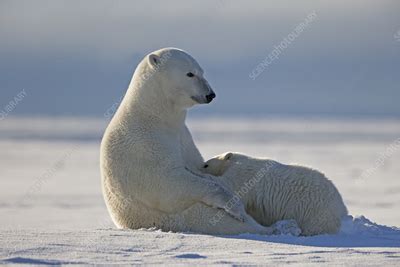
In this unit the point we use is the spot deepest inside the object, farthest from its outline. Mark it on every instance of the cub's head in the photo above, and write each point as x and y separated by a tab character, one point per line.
219	164
180	77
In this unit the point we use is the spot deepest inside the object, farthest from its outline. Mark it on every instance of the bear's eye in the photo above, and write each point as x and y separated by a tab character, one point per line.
189	74
205	165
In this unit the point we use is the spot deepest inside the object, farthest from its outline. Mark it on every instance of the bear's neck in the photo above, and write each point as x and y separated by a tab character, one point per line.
152	104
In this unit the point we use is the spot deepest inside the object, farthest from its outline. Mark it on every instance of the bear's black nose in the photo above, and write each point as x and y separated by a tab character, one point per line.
210	97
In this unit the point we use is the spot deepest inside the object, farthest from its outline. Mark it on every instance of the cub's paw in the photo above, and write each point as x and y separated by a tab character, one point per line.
286	227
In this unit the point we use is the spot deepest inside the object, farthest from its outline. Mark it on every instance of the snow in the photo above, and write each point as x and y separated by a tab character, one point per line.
52	211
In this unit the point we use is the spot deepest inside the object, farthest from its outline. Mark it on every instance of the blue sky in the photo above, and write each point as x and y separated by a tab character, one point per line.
76	58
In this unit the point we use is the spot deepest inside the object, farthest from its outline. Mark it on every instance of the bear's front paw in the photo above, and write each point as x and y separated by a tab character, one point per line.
237	212
223	199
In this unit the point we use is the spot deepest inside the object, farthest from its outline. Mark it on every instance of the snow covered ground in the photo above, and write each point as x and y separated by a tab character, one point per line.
52	211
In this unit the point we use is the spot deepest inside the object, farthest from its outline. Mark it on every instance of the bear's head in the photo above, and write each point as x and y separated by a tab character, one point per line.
219	164
179	76
240	164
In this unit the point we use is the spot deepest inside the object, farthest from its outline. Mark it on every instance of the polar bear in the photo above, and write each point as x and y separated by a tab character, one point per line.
150	166
272	191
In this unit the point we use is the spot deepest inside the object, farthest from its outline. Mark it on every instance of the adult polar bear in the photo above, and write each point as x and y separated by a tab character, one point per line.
150	165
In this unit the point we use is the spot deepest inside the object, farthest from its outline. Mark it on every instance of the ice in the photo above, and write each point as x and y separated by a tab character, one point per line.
52	210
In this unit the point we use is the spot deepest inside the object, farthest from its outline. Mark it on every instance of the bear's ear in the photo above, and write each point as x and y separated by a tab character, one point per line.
153	60
228	156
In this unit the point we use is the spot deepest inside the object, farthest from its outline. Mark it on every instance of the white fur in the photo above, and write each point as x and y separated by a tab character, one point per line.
272	191
151	167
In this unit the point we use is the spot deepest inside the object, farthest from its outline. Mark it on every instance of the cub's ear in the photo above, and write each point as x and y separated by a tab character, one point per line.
153	60
228	156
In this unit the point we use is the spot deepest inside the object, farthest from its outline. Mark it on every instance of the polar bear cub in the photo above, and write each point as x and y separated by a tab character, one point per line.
272	191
